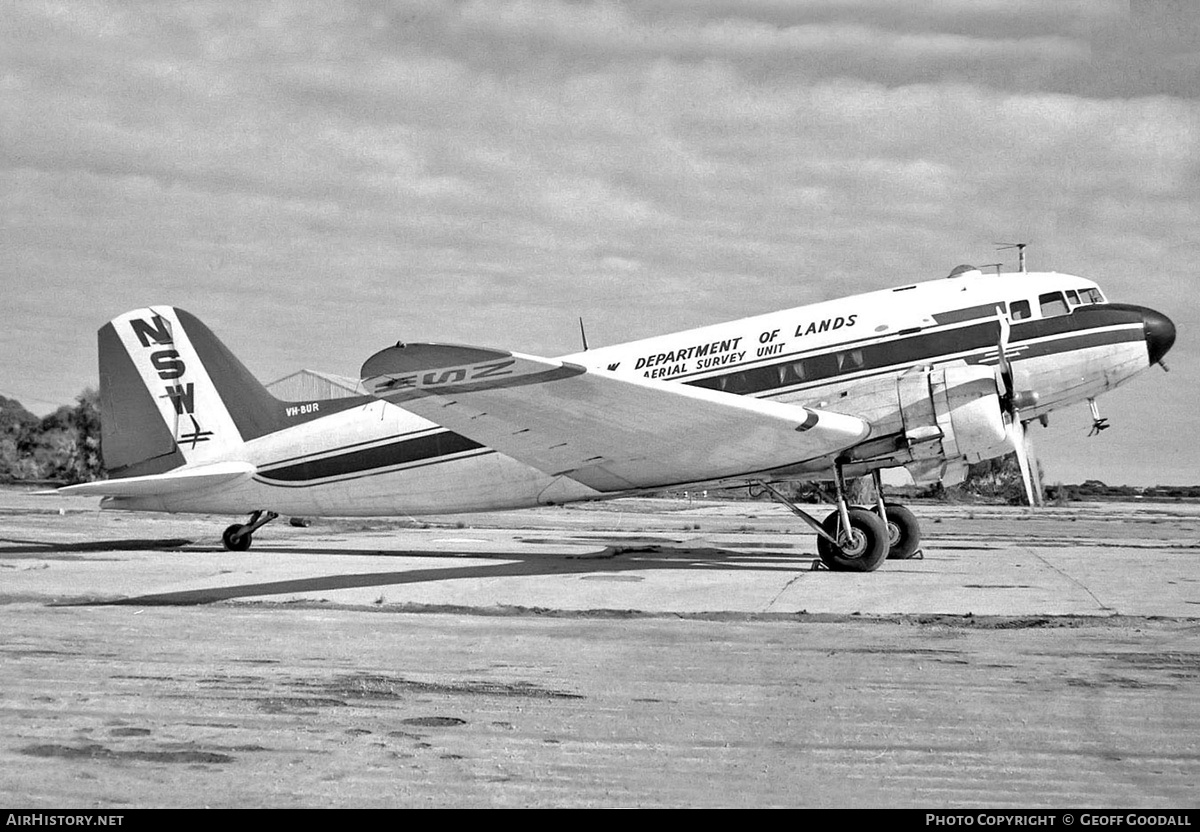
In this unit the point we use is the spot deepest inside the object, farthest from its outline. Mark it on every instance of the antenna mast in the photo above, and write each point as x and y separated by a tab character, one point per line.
1020	247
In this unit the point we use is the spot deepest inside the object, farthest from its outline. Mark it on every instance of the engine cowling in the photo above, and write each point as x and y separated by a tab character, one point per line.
951	414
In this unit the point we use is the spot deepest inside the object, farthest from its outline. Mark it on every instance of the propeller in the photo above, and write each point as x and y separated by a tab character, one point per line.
1011	403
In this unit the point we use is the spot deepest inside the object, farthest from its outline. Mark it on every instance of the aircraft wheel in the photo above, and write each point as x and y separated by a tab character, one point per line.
235	539
904	532
863	548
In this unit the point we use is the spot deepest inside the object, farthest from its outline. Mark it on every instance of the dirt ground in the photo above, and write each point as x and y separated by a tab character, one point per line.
642	654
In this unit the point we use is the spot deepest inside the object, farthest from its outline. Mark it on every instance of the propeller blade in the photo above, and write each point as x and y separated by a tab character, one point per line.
1016	438
1035	475
1004	368
1005	332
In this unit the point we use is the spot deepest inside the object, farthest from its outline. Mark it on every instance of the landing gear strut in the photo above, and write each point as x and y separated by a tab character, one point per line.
904	532
238	537
1099	423
850	539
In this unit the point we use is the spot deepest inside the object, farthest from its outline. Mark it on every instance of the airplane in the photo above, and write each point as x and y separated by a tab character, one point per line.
929	376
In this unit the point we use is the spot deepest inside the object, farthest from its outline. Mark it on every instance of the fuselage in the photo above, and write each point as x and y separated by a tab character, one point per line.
368	457
1068	344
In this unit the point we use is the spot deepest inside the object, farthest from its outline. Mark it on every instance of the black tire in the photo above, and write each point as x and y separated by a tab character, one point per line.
868	545
904	532
235	540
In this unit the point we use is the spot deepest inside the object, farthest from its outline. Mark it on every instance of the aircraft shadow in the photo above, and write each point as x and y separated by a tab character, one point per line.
45	548
613	560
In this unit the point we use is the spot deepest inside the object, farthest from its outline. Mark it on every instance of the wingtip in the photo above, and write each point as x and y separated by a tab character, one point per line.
418	357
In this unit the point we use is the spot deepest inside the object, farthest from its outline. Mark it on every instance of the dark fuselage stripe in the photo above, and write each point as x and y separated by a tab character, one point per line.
405	452
973	343
315	457
986	356
375	472
924	346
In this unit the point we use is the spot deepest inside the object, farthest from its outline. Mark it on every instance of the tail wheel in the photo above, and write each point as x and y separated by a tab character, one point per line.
235	539
861	548
904	532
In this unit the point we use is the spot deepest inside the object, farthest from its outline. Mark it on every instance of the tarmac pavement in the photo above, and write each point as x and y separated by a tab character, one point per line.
649	556
634	653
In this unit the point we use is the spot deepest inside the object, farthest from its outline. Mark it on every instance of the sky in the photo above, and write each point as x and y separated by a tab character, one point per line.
316	181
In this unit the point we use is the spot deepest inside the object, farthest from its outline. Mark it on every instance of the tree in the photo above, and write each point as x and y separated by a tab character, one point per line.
997	479
64	446
13	416
87	421
79	459
15	421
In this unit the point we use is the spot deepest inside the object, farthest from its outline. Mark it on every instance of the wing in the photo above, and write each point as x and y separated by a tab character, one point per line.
172	482
609	432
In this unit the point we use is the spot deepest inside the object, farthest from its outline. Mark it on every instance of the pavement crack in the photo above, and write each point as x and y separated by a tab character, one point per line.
1103	607
782	590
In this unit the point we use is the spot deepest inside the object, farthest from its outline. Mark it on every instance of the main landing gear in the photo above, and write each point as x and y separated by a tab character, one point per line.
238	537
857	539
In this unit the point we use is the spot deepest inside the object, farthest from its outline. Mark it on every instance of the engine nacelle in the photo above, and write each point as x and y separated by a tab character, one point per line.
952	413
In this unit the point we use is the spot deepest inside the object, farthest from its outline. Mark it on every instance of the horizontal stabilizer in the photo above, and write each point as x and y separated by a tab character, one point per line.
173	482
609	432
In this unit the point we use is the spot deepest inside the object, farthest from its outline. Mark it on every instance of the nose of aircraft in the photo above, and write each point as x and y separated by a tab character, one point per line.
1160	334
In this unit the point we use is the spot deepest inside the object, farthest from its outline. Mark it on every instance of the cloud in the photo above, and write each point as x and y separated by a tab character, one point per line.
345	175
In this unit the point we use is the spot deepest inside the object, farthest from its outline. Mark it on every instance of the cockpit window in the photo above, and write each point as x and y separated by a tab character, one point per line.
1019	310
1073	297
1053	303
1091	296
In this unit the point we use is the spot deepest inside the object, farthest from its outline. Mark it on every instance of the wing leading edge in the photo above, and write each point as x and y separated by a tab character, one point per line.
609	432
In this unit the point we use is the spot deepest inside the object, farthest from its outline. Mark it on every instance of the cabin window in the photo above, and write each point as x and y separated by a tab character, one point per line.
1053	303
735	383
795	372
850	361
1020	310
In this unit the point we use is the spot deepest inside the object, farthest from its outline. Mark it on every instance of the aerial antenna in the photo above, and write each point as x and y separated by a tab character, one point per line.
995	266
1020	247
583	335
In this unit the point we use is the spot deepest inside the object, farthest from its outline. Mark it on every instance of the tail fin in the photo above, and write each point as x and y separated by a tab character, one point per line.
172	394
